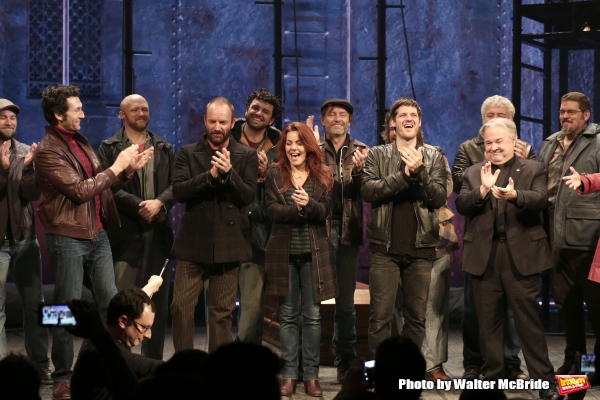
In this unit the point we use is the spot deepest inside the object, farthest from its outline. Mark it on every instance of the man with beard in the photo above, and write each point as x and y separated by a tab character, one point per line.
345	156
20	250
146	235
405	182
256	132
573	222
216	178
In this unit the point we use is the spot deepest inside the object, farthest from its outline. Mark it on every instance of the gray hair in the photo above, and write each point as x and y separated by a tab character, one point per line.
505	123
497	101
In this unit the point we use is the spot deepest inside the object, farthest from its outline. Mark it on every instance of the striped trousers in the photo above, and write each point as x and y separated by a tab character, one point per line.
189	282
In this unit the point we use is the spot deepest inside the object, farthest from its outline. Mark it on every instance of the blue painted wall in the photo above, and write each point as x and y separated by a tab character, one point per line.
207	48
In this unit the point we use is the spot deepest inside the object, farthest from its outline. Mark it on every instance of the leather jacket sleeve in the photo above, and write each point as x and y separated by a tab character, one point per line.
376	189
127	202
61	175
461	163
166	196
432	185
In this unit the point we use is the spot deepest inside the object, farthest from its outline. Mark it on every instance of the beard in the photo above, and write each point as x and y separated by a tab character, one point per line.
138	125
566	130
7	134
337	132
218	141
256	126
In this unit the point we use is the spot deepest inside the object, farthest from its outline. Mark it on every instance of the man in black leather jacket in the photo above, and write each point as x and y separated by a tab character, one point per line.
404	182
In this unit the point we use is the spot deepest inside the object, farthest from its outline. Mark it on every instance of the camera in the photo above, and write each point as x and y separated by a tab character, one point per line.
370	371
55	315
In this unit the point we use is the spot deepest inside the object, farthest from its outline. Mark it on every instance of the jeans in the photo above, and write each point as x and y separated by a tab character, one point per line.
436	316
71	260
472	357
346	265
387	272
300	296
252	301
24	261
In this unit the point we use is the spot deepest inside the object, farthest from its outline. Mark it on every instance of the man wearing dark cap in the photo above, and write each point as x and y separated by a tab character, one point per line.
18	189
346	157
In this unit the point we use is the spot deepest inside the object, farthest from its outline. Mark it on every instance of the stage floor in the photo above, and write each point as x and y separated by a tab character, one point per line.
327	375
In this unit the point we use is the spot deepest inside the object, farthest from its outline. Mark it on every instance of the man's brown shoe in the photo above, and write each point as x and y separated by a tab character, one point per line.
513	373
312	388
437	374
61	391
287	387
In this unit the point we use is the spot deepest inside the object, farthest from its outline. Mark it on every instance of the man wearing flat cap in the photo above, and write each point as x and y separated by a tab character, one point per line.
346	157
20	250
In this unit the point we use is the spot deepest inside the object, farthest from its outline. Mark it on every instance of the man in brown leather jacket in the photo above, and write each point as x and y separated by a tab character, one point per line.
345	156
77	209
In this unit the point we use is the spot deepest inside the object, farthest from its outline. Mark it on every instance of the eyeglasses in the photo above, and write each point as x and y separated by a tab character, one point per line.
570	113
139	327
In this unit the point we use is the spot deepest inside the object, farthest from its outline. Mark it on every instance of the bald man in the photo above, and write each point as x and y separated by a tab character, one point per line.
142	244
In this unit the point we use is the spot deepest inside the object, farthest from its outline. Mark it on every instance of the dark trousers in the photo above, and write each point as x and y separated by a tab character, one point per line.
387	272
571	289
189	282
472	357
501	283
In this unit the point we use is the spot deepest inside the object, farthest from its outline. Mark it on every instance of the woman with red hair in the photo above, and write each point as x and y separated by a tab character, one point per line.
299	263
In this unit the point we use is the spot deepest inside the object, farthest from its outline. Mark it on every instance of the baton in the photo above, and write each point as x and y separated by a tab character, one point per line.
163	269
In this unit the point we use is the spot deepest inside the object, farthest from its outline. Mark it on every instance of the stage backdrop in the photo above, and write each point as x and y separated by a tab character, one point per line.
460	54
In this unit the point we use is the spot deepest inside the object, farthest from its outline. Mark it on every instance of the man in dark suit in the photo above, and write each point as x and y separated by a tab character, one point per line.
216	178
505	248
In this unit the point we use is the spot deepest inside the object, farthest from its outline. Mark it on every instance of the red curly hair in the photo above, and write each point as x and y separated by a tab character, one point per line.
314	157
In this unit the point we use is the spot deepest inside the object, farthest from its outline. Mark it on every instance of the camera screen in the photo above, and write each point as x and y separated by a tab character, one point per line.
370	370
587	362
56	315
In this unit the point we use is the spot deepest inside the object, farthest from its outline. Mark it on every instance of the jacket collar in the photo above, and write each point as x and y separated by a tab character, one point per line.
120	137
350	142
590	130
272	133
202	145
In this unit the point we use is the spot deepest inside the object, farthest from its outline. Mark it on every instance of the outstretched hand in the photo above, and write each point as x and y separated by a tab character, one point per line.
573	181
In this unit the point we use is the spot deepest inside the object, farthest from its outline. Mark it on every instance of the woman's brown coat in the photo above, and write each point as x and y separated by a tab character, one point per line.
284	216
